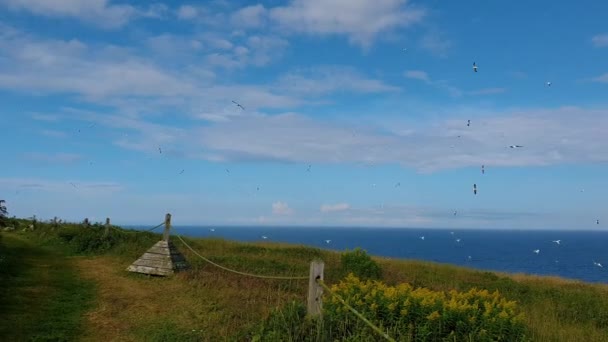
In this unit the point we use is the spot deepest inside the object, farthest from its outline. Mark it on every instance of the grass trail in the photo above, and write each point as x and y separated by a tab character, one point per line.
42	297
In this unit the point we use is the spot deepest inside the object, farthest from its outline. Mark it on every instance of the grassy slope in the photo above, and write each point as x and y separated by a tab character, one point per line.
42	296
208	303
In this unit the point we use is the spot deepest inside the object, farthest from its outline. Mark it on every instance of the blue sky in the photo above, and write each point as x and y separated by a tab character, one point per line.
90	89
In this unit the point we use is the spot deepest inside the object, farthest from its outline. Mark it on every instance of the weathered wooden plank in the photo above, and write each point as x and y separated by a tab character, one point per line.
155	256
159	250
153	263
150	270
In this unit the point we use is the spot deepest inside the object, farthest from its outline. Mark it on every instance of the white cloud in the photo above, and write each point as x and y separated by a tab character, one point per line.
56	158
322	80
600	40
95	12
436	44
53	133
69	186
250	17
418	75
452	90
134	80
281	208
187	12
441	84
569	135
602	78
328	208
361	20
487	91
45	117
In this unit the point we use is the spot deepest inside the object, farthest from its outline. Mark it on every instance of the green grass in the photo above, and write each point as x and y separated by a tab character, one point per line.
42	297
209	304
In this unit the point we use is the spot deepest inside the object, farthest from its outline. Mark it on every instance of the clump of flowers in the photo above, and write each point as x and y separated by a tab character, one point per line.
420	314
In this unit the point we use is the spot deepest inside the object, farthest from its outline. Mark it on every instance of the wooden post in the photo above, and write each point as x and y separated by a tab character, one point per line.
167	227
315	291
107	230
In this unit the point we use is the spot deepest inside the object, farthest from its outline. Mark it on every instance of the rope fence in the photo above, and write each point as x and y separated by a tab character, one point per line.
234	271
316	283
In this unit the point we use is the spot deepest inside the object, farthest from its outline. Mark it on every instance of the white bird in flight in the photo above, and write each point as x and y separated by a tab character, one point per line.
457	240
212	229
422	238
597	264
327	241
537	251
515	146
557	241
264	237
238	105
474	67
548	84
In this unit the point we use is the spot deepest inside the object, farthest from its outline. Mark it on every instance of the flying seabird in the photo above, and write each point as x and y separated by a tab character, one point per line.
597	222
537	251
182	171
422	238
548	84
515	146
557	241
483	170
475	189
243	108
597	264
468	123
458	240
264	237
474	67
159	150
327	241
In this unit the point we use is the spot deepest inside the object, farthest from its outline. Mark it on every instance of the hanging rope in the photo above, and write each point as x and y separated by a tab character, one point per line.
237	272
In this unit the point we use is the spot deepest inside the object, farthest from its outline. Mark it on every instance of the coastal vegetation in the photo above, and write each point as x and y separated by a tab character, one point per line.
68	281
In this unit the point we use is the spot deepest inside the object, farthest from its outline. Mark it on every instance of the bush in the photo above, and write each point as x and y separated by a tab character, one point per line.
360	264
405	313
423	315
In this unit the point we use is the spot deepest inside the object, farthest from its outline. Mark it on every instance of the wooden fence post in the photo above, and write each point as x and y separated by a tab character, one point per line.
315	291
167	227
107	230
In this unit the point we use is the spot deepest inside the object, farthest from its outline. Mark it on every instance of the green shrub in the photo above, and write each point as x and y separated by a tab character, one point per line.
420	314
404	312
360	264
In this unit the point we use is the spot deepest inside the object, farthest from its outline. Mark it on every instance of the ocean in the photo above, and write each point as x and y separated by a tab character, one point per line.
509	251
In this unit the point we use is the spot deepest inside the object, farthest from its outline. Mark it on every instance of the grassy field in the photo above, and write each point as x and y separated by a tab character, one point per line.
59	283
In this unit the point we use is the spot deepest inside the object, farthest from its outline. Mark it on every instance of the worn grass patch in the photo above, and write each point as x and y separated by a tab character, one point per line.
42	298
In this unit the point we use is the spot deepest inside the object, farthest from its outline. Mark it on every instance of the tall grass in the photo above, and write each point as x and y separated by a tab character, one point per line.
207	303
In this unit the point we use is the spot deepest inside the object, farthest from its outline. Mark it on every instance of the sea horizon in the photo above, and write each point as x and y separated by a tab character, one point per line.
498	250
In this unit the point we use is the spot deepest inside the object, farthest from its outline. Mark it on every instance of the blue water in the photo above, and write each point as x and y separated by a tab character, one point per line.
498	250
